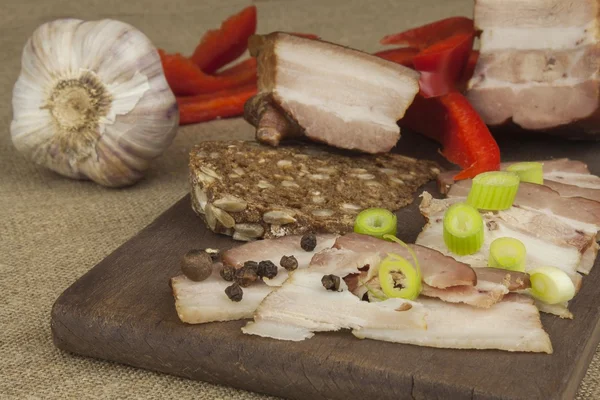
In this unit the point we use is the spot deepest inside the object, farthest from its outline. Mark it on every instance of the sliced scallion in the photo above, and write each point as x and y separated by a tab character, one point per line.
495	190
531	172
376	222
463	229
507	253
399	278
551	285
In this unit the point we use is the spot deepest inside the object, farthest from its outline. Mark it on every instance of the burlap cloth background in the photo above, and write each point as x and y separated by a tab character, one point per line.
52	229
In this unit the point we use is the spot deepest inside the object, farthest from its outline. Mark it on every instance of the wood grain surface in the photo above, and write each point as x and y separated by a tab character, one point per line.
123	310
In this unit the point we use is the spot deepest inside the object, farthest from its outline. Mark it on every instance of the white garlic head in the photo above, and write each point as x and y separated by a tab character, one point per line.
92	101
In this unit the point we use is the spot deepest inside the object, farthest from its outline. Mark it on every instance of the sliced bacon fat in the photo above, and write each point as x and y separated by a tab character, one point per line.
438	271
206	301
570	178
548	81
511	325
272	250
302	306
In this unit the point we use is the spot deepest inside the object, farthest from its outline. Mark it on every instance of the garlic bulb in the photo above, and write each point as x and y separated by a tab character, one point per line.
92	101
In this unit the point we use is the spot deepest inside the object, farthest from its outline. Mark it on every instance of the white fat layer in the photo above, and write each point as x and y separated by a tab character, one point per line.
347	113
277	330
365	90
511	326
539	252
303	304
331	62
582	180
579	225
492	83
556	38
560	310
206	301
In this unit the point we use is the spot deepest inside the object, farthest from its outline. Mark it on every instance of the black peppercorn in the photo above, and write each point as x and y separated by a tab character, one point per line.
234	292
245	276
228	273
331	282
267	269
289	263
308	242
251	265
196	265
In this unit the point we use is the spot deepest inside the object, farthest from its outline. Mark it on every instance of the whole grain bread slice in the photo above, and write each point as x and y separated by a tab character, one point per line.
248	190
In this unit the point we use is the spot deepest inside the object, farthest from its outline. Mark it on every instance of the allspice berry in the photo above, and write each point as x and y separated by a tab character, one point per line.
196	264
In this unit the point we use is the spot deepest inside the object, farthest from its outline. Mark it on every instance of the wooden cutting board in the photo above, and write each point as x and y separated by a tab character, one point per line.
123	310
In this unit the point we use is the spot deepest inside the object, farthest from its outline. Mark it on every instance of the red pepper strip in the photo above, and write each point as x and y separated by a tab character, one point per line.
442	64
452	121
305	35
221	93
426	35
185	78
221	46
468	70
403	56
245	65
223	106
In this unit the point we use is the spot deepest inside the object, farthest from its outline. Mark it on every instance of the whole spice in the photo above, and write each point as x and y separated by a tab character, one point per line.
289	263
228	273
245	276
308	242
251	265
91	101
266	269
331	282
234	292
196	265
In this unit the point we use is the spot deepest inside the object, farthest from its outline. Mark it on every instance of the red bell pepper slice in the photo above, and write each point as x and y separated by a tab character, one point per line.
185	78
442	64
451	120
221	93
426	35
221	46
468	70
223	104
403	56
240	67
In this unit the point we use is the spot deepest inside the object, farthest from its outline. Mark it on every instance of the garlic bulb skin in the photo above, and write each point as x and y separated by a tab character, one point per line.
92	101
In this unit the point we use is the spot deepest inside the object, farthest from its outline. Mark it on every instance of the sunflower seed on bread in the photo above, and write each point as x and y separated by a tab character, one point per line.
249	191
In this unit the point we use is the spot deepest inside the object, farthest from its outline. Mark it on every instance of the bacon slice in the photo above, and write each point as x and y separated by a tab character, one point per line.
273	250
335	95
206	301
438	271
